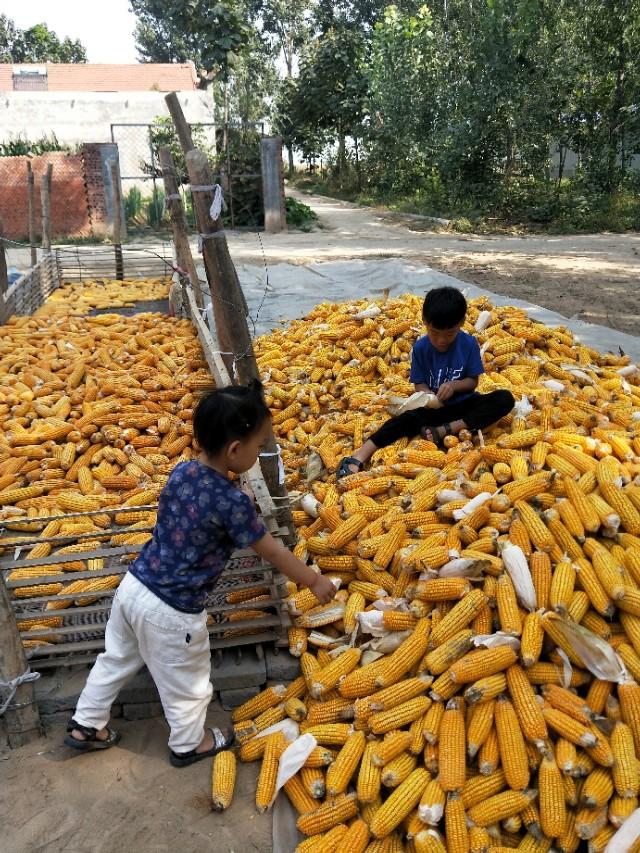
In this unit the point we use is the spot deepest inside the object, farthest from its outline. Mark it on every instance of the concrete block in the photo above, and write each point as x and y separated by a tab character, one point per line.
282	666
230	699
59	689
140	689
233	674
141	710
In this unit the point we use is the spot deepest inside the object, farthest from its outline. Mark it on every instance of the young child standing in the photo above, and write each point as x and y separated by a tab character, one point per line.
158	616
447	362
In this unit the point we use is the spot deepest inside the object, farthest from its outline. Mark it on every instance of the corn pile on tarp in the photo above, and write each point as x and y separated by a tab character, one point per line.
474	684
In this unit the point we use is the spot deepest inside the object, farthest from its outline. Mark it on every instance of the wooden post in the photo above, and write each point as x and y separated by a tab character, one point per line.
31	198
4	286
275	217
45	198
228	303
178	221
21	717
182	128
114	171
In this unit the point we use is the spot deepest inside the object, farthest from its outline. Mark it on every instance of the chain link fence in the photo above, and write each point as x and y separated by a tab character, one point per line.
234	151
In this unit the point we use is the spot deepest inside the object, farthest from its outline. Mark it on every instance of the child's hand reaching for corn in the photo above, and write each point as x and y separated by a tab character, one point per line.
322	588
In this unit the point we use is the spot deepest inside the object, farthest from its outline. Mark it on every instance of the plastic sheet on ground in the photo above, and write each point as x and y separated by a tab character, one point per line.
293	290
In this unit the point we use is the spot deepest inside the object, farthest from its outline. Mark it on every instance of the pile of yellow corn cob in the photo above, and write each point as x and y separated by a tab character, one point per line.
497	706
80	298
94	414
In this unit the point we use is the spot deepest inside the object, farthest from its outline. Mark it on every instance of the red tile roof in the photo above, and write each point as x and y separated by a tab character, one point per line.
93	77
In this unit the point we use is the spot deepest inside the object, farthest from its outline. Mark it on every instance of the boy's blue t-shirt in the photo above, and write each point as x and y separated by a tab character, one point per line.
433	368
202	519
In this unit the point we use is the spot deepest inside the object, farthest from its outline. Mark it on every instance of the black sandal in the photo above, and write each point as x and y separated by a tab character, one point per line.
437	438
221	742
91	740
344	471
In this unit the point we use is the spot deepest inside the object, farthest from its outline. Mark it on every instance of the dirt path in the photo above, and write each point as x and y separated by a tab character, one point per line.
593	276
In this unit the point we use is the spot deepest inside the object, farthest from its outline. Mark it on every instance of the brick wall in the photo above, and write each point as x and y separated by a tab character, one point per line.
69	211
79	197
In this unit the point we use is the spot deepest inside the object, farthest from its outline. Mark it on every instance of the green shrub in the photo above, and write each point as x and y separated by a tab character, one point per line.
300	215
20	146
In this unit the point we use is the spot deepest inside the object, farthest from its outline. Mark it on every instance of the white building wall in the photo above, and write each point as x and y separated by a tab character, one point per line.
77	117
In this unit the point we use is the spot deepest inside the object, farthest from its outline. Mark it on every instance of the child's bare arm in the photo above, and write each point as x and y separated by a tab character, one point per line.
420	386
456	386
274	552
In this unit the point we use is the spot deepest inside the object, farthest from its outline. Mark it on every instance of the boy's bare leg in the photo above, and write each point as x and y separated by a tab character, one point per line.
363	454
438	432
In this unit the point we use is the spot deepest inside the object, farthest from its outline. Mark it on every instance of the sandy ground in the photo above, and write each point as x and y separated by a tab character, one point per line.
593	276
124	800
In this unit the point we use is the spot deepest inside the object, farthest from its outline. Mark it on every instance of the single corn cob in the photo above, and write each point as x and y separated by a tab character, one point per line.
598	788
569	728
328	815
394	744
532	639
625	771
265	790
397	770
511	744
452	743
527	709
479	727
330	734
223	778
553	812
499	807
313	781
508	612
458	618
369	776
269	698
340	772
401	715
325	679
399	804
481	663
455	825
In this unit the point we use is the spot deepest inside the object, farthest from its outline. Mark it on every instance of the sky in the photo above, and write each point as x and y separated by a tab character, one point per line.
105	27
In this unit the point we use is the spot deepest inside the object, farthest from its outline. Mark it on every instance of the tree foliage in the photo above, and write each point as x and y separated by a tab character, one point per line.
209	33
37	44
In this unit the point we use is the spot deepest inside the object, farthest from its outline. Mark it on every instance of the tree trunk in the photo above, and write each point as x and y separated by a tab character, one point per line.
292	168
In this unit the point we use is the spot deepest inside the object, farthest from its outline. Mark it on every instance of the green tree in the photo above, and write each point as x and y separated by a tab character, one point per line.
331	89
37	44
210	33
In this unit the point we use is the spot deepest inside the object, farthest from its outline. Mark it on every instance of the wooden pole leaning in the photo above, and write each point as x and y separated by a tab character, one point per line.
178	222
228	303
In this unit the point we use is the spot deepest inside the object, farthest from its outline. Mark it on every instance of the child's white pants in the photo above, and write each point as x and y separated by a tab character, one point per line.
142	629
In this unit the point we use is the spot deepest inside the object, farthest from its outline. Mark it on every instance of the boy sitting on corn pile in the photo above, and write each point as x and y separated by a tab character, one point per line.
445	362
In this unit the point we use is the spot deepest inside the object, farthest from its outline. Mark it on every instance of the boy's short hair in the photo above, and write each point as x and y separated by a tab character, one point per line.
444	308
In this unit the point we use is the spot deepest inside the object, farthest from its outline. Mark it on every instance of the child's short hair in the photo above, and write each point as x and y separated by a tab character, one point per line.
444	308
229	414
